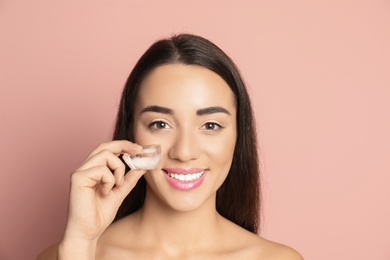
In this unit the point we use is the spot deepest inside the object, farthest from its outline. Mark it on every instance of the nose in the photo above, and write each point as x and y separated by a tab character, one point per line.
185	147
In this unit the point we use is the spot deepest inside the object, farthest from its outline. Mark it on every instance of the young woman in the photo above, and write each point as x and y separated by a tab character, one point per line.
202	201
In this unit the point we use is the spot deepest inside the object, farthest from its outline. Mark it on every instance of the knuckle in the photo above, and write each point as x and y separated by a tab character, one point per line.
105	152
101	146
75	176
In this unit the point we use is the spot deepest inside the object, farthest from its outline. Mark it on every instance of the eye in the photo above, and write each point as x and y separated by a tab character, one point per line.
210	126
159	125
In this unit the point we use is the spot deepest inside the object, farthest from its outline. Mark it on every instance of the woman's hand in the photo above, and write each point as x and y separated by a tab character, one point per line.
97	190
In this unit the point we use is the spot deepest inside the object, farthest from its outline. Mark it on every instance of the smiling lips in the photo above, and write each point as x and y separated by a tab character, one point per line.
184	179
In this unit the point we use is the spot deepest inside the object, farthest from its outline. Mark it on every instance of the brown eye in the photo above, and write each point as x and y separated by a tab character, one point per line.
159	125
211	126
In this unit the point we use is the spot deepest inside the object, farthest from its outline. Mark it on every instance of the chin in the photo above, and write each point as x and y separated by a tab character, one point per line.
183	205
182	201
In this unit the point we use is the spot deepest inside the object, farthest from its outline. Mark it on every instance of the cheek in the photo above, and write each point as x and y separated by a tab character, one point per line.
221	149
142	135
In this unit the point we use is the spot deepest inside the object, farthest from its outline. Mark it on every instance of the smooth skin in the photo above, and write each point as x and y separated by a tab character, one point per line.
190	111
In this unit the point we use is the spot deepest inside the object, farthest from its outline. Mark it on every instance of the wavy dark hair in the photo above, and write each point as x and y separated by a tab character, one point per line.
238	198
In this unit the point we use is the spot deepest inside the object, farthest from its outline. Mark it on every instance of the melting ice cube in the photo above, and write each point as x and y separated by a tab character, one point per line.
147	159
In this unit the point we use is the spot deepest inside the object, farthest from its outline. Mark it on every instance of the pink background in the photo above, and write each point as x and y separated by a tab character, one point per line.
318	73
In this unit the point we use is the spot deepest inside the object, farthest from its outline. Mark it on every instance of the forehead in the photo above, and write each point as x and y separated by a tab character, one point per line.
178	85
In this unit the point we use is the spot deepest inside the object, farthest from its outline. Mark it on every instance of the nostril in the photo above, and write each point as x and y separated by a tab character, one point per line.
184	147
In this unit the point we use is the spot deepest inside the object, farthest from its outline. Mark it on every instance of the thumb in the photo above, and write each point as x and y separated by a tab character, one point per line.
129	182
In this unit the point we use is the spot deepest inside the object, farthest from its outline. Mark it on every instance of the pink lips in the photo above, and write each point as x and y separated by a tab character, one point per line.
184	185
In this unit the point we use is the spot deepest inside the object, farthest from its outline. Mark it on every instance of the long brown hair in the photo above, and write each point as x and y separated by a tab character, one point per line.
238	198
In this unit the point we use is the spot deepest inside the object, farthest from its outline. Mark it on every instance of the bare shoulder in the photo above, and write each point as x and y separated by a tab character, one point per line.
271	250
49	253
251	246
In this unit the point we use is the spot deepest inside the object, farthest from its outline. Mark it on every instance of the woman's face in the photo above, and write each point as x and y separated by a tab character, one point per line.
190	111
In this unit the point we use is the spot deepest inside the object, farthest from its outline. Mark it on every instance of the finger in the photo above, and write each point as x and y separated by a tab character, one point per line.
117	147
130	180
108	159
92	178
107	183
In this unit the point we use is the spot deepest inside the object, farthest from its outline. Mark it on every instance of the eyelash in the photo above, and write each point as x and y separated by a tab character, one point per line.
156	126
216	126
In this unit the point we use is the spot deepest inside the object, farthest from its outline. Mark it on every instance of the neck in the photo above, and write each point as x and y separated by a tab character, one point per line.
167	227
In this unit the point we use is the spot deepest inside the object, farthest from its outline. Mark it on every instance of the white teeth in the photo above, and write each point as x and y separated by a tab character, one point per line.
185	177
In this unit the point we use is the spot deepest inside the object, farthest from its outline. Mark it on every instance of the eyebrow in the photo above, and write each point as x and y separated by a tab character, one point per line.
211	110
157	109
199	112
